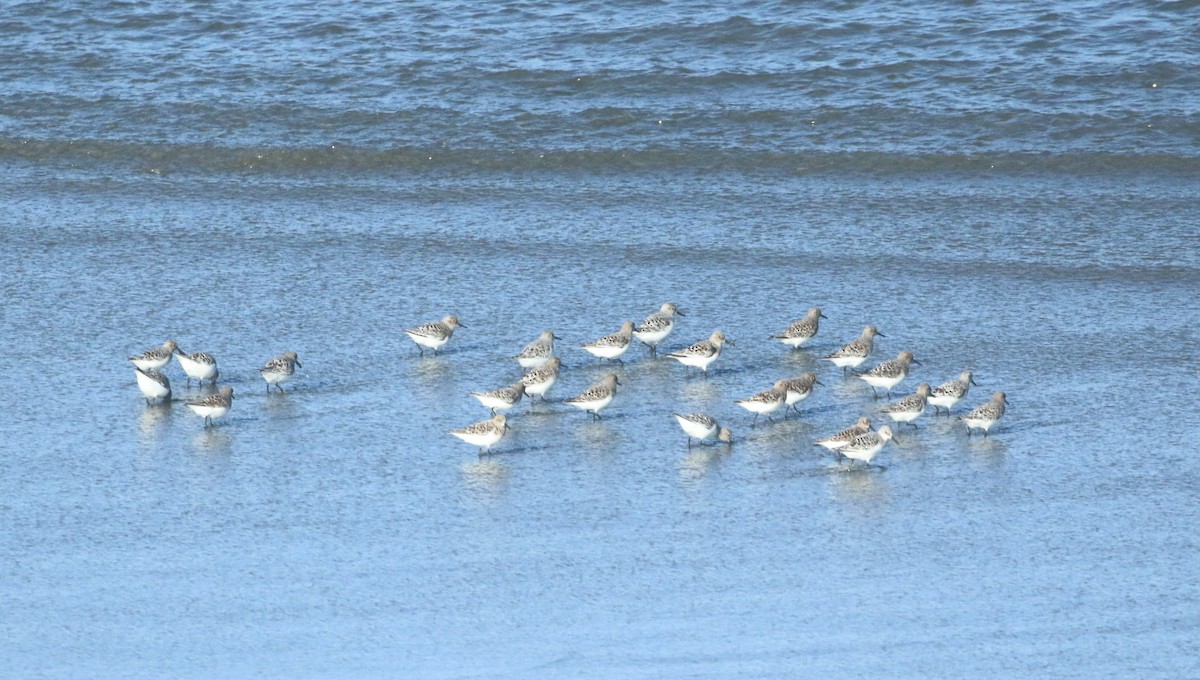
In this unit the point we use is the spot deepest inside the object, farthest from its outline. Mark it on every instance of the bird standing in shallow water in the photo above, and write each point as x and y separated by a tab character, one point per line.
889	373
539	380
835	442
155	359
799	389
597	396
280	370
765	402
502	399
909	408
950	393
485	434
434	334
701	354
853	353
153	384
656	327
702	427
199	365
983	417
611	347
213	406
538	352
803	330
866	446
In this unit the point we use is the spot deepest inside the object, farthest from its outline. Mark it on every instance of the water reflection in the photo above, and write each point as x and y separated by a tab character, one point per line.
212	441
486	475
990	453
431	370
596	432
280	405
700	461
855	483
153	419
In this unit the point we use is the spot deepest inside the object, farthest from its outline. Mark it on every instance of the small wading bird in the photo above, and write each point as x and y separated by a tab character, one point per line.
866	446
434	334
502	399
765	402
889	373
656	327
701	354
799	389
538	352
597	396
909	408
539	380
154	359
946	395
199	365
280	369
213	406
803	330
153	384
702	427
837	441
853	353
611	347
485	434
985	416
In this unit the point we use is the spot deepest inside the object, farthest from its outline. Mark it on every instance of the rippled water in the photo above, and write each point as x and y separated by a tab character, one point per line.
1004	190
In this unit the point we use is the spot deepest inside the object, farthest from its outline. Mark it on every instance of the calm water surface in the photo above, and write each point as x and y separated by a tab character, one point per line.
999	190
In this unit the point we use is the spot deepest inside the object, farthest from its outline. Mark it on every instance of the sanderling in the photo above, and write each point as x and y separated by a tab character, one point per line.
214	405
485	434
909	408
155	359
803	330
946	395
836	441
539	380
799	389
153	384
612	346
657	326
434	334
199	365
597	396
538	352
702	353
765	402
889	373
865	446
280	369
855	352
703	427
985	416
502	399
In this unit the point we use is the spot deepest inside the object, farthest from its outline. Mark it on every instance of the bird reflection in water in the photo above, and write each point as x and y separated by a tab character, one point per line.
212	441
700	462
153	419
486	476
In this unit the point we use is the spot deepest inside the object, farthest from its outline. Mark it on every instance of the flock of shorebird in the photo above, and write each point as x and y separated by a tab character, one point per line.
857	442
201	366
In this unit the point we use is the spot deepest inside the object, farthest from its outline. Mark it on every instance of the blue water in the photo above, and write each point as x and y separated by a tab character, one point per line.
1006	190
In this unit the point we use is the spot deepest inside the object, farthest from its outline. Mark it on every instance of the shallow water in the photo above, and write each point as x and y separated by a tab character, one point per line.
336	530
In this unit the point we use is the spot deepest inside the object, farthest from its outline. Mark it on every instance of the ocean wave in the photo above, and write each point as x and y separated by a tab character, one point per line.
125	157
